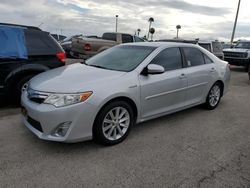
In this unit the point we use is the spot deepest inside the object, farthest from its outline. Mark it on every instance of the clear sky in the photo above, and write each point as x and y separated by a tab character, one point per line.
205	19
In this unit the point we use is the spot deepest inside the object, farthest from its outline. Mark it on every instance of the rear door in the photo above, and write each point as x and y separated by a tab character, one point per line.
167	91
199	75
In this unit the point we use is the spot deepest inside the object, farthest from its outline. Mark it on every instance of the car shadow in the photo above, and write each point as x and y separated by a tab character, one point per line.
237	69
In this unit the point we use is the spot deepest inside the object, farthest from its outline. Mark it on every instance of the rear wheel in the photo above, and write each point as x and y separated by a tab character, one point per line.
113	123
214	96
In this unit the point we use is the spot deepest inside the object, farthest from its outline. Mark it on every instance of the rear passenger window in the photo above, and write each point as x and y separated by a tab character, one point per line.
126	38
207	59
109	36
169	58
193	56
40	43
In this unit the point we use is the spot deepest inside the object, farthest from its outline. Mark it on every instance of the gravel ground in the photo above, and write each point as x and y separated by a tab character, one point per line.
192	148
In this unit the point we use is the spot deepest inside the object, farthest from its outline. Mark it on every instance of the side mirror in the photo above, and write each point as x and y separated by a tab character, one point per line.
153	69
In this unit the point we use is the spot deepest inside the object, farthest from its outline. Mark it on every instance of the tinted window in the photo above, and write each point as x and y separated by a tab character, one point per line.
109	36
207	46
169	58
40	43
121	58
245	45
127	38
137	39
207	59
193	56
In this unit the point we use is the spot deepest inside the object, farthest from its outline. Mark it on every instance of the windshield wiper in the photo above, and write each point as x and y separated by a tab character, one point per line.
97	66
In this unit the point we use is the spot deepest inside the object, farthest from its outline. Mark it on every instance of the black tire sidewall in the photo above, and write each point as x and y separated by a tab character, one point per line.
97	129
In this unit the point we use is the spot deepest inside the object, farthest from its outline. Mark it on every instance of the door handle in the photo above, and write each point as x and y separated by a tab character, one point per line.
182	76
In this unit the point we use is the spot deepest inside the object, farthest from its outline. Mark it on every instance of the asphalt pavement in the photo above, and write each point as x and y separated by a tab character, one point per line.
192	148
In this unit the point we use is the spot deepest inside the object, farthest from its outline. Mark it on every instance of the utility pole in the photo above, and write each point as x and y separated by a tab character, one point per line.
116	23
235	22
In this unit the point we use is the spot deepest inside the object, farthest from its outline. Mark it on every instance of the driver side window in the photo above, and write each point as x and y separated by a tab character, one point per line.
169	58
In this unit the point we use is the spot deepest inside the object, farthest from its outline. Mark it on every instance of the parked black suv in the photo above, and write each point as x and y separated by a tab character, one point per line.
25	51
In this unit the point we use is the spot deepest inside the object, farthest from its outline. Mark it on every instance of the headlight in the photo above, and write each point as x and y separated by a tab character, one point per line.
59	100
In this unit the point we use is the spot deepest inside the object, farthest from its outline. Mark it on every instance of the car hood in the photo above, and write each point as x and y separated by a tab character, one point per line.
236	50
73	78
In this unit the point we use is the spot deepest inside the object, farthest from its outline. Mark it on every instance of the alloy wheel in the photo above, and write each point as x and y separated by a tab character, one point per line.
116	123
214	95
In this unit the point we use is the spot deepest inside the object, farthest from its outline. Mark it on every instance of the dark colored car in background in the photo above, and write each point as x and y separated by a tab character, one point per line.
25	51
239	55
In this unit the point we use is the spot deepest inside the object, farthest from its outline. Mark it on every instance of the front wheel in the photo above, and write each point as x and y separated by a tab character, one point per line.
113	123
214	96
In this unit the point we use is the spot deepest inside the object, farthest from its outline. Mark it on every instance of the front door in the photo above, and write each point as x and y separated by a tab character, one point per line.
167	91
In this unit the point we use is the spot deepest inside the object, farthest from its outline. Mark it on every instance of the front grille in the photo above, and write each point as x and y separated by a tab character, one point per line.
36	96
35	124
235	54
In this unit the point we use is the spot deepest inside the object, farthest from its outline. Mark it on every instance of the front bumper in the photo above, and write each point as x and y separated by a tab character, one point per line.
43	119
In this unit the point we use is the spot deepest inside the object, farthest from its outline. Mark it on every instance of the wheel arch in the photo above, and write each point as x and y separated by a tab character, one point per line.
25	69
222	85
125	99
120	98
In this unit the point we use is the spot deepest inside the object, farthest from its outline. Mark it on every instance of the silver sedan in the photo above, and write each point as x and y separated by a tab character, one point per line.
105	96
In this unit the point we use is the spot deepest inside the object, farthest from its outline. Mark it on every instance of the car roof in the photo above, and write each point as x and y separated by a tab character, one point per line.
162	44
17	25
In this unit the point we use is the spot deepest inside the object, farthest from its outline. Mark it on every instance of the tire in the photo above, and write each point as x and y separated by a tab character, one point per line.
247	67
108	130
17	89
214	96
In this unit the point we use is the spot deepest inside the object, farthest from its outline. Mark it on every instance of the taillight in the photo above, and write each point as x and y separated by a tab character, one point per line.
61	56
87	47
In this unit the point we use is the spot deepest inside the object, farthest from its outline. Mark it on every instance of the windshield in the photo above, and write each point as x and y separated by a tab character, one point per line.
245	45
121	58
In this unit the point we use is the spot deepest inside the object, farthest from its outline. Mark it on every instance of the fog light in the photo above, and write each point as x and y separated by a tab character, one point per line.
62	129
